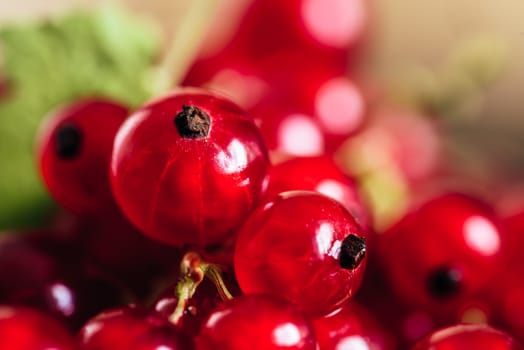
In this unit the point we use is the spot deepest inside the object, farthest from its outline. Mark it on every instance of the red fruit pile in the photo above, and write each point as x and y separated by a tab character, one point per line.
193	223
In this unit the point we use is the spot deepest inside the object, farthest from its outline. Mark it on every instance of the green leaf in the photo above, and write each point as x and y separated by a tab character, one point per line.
106	52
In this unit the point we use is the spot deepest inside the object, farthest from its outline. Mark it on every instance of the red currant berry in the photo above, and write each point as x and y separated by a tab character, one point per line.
316	31
406	324
334	104
298	132
27	329
256	322
303	247
351	327
188	168
325	28
291	133
131	328
316	87
443	253
479	337
319	174
74	154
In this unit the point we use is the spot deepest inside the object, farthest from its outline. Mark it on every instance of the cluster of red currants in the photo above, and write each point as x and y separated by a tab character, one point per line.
255	255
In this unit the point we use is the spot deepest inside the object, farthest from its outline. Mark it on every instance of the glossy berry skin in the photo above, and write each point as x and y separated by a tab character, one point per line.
74	151
443	253
329	27
188	187
303	247
27	329
256	322
287	83
314	29
316	87
290	132
351	327
406	324
131	328
319	174
480	337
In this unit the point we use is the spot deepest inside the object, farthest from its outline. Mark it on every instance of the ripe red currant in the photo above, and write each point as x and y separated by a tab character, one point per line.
319	174
479	337
316	87
406	324
131	328
74	154
318	31
23	329
188	168
303	247
351	327
325	28
256	322
290	132
327	101
443	253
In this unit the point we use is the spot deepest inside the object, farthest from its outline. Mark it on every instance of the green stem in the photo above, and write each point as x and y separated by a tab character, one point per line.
184	46
214	273
191	275
183	295
192	272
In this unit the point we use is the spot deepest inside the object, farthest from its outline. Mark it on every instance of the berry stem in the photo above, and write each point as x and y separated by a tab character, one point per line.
191	275
192	272
185	44
214	273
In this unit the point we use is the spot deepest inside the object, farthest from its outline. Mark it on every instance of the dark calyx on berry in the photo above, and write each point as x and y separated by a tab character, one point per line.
352	252
192	122
68	141
444	282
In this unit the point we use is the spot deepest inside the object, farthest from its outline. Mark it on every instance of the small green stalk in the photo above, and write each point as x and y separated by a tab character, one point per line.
192	272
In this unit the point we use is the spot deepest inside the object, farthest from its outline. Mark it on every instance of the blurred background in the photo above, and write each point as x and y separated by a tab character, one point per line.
408	97
461	62
404	33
